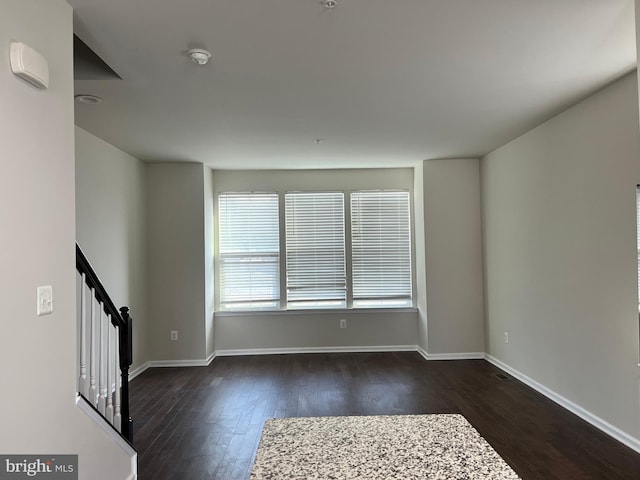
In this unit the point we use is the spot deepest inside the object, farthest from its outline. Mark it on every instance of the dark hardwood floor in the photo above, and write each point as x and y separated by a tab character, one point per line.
205	422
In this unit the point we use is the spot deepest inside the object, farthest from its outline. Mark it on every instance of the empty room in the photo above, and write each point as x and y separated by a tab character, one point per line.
320	239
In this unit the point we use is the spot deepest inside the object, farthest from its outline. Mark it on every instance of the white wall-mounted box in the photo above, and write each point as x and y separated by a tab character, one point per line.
29	65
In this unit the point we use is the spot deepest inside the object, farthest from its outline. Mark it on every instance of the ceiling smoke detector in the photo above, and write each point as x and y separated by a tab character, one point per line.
199	55
329	4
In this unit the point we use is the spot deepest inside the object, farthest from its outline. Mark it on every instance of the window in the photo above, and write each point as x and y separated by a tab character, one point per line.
381	249
327	250
316	275
249	251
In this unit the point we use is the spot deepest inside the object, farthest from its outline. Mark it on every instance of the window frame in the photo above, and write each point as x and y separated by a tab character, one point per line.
349	307
276	301
402	299
320	303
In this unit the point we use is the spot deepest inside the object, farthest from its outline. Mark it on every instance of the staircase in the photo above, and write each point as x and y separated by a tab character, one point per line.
104	350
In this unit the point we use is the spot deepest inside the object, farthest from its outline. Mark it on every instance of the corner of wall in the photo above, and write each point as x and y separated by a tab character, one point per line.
209	272
453	256
176	264
421	274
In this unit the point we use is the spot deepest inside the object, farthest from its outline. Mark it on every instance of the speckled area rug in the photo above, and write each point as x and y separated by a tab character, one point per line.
396	447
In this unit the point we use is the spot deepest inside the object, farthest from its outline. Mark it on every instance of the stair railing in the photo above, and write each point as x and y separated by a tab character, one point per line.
105	350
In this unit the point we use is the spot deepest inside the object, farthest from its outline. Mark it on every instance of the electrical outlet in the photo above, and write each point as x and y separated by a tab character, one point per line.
174	335
343	323
506	337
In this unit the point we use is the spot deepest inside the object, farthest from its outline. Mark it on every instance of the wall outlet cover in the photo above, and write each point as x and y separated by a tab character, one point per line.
44	305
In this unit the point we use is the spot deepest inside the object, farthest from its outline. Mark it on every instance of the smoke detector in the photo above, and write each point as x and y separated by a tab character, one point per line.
199	55
329	4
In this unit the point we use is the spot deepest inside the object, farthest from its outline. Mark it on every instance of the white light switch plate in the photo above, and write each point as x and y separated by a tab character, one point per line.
45	300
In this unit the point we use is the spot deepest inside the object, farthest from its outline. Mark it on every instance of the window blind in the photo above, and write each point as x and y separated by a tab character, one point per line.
315	251
381	248
249	251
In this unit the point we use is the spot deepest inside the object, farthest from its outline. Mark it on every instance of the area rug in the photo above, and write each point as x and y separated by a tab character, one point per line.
395	447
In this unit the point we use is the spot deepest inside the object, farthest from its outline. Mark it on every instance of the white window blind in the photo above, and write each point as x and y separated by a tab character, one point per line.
249	251
315	252
381	249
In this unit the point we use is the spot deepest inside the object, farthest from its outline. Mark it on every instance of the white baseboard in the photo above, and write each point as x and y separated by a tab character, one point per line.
450	356
205	362
279	351
594	420
138	370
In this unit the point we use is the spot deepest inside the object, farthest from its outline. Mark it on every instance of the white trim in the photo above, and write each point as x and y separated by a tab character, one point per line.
352	349
171	363
422	352
280	351
86	407
456	356
451	356
594	420
138	370
134	468
205	362
313	311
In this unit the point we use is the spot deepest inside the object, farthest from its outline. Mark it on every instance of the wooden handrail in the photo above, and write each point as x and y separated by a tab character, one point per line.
122	321
83	266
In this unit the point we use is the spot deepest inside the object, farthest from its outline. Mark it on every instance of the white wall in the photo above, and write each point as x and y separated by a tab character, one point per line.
209	282
420	259
560	254
38	354
279	330
110	227
453	256
315	330
176	261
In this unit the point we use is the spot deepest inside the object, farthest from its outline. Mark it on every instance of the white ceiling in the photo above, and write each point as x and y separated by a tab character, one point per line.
383	82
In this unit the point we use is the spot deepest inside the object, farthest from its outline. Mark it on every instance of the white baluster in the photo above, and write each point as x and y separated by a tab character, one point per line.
108	413
102	367
83	384
117	417
93	355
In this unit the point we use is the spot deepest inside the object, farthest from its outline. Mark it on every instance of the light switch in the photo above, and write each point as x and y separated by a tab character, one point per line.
45	300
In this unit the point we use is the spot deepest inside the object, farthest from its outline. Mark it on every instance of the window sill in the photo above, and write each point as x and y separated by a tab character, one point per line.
314	311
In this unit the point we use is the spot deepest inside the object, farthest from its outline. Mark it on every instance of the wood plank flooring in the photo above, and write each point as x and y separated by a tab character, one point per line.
204	423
